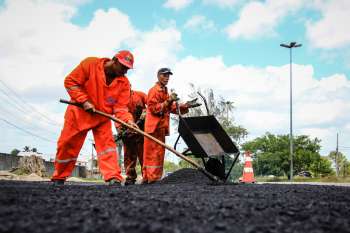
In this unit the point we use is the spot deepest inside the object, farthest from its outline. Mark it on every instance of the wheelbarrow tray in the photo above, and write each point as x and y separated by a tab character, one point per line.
205	137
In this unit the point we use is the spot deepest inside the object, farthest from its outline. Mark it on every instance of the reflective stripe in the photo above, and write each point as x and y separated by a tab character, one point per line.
73	87
248	169
106	151
65	160
152	166
120	110
248	159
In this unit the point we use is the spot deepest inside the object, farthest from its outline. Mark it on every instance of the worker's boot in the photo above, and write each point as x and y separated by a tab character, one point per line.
129	182
58	183
114	182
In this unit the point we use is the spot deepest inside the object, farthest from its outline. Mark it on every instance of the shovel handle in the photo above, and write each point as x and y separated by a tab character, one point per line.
193	163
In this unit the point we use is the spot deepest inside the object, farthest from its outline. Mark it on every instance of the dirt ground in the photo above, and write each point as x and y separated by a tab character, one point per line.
183	202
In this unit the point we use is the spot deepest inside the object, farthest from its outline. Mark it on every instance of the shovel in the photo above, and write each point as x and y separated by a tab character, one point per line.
193	163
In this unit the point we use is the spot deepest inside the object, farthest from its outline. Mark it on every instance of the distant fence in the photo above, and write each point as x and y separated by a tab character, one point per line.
7	162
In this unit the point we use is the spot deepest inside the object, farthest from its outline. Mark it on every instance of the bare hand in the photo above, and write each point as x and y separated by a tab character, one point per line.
133	124
89	107
192	103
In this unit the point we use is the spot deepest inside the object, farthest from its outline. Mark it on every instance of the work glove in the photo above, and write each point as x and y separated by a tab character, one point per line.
89	107
173	97
193	103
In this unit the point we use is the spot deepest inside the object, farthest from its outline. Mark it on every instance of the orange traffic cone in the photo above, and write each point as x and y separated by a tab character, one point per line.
248	173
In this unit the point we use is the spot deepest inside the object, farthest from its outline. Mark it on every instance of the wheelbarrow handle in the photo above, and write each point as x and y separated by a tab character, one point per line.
193	163
205	102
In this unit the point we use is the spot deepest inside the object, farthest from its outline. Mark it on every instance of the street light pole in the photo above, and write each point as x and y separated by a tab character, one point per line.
290	47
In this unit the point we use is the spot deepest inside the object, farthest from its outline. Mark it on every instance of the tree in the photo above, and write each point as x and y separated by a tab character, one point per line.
323	167
338	159
170	166
185	164
271	154
220	108
345	168
15	152
26	149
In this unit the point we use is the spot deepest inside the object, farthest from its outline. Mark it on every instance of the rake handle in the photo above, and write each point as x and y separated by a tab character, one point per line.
193	163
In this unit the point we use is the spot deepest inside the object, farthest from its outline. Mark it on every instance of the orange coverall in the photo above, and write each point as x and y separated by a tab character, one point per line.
88	82
157	125
133	143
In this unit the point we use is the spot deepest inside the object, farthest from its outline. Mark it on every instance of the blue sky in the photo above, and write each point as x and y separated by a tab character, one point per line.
145	15
231	46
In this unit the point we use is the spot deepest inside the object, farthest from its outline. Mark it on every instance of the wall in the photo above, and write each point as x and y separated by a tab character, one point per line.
7	162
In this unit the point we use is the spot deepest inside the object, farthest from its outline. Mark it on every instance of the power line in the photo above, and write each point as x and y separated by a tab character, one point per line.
28	122
26	131
26	104
15	104
24	107
35	135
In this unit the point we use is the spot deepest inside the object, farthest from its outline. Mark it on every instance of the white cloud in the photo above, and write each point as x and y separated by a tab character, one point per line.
261	18
153	50
177	4
222	3
39	49
199	22
331	30
47	44
261	96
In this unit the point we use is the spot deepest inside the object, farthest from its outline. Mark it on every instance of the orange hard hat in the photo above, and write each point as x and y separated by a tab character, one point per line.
126	58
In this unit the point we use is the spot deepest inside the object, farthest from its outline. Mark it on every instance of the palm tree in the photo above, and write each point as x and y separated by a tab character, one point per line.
227	107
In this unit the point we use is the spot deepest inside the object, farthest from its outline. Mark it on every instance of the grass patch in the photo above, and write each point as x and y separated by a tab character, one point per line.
92	180
330	179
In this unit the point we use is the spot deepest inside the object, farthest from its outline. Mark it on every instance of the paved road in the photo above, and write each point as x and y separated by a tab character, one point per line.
309	183
184	202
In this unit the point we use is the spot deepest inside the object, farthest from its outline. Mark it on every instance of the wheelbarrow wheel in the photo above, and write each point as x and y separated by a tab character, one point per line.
215	167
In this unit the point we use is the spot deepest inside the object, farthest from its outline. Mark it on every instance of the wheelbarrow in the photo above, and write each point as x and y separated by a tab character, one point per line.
206	139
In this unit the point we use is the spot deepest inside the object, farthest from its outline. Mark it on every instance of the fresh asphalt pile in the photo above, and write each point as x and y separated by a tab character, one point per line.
173	206
188	176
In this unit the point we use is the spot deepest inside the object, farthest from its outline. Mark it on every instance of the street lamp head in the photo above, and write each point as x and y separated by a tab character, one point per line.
291	45
284	45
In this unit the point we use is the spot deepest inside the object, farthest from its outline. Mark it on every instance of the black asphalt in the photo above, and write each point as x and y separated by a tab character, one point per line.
183	202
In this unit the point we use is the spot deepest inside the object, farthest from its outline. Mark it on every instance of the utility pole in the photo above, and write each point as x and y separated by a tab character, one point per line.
290	47
336	159
92	158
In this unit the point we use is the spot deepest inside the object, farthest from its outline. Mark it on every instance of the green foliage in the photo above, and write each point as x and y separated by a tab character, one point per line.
15	152
323	167
271	155
170	166
341	163
345	169
236	172
184	164
236	132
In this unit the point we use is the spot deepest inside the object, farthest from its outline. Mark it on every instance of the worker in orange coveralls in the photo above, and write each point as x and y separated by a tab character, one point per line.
159	106
96	83
133	142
